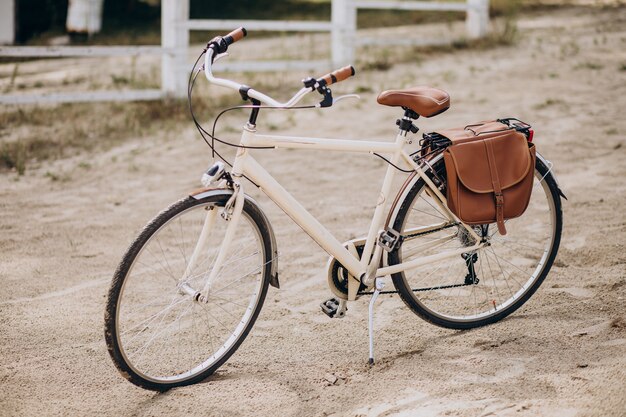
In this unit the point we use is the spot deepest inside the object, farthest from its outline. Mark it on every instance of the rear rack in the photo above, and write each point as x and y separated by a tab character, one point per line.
517	124
430	145
434	141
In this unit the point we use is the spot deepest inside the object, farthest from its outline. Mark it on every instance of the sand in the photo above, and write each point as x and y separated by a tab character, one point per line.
562	354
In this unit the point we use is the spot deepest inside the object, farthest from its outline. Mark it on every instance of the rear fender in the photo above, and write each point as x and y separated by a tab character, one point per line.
227	192
402	194
551	172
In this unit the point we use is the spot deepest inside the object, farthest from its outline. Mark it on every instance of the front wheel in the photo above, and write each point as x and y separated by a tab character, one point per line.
158	335
484	286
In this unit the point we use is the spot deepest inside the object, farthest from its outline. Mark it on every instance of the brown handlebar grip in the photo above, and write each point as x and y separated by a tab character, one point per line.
235	35
339	75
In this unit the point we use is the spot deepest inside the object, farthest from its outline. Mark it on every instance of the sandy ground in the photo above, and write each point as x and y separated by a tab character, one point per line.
562	354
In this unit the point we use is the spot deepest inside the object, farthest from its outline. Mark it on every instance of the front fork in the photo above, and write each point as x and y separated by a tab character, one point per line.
231	213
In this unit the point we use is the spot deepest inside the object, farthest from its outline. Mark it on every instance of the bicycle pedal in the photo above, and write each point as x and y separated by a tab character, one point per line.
330	307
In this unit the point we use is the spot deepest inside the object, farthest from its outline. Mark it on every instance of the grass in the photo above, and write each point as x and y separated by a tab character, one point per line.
503	33
14	73
360	89
380	63
589	66
93	127
550	102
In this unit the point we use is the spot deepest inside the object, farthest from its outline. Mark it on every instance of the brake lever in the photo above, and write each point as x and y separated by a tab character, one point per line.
356	96
219	56
328	100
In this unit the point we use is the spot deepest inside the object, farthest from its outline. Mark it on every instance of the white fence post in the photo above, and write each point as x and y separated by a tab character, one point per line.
84	16
343	19
175	42
7	21
477	20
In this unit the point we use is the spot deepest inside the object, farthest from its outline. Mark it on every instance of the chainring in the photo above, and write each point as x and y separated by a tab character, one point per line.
338	276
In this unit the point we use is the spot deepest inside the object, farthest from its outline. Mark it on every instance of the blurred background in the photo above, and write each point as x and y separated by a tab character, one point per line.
138	21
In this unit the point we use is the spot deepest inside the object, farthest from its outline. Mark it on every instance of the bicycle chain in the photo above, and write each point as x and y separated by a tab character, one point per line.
430	231
441	287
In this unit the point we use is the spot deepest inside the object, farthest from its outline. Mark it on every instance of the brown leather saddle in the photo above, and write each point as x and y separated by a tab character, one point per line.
425	101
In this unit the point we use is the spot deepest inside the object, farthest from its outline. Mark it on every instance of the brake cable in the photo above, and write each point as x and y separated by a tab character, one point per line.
204	133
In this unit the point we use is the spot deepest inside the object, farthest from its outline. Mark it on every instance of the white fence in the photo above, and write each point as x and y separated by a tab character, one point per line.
176	25
7	21
81	51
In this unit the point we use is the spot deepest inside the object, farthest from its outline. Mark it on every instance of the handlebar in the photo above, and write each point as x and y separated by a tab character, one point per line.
337	75
235	36
216	49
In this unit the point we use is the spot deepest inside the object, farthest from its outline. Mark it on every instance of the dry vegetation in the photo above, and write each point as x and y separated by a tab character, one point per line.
93	127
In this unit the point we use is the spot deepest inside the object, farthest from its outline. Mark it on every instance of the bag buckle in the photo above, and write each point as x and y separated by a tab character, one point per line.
499	200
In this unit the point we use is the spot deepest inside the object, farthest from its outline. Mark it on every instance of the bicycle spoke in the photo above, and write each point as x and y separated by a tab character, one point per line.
502	272
228	301
429	214
498	260
504	269
181	248
166	270
169	269
154	316
443	216
158	332
505	241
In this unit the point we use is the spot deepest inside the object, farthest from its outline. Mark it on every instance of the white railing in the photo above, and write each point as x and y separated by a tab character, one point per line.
176	25
342	27
82	51
7	21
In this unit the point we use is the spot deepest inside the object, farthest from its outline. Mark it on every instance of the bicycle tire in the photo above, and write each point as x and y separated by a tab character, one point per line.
115	300
416	298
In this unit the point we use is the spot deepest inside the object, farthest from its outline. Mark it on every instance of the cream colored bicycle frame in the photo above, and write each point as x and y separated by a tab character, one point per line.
245	164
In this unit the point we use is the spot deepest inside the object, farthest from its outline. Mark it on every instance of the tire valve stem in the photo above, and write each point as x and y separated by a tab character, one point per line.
494	304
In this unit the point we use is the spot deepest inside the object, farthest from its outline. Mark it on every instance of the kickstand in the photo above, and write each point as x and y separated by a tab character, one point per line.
379	284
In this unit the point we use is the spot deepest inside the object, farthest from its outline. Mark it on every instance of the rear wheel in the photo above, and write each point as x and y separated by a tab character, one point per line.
158	335
482	286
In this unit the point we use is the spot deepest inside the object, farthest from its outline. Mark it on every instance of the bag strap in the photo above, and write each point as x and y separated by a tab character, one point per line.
495	181
488	131
504	127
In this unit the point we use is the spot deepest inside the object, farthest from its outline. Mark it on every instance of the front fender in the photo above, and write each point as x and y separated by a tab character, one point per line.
227	192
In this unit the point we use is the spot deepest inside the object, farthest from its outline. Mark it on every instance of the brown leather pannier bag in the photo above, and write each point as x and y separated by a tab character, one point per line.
490	168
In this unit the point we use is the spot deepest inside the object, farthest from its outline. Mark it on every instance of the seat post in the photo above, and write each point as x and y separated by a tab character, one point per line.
410	113
406	123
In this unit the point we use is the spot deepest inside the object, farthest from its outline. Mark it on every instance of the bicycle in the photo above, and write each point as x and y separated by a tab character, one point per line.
190	287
